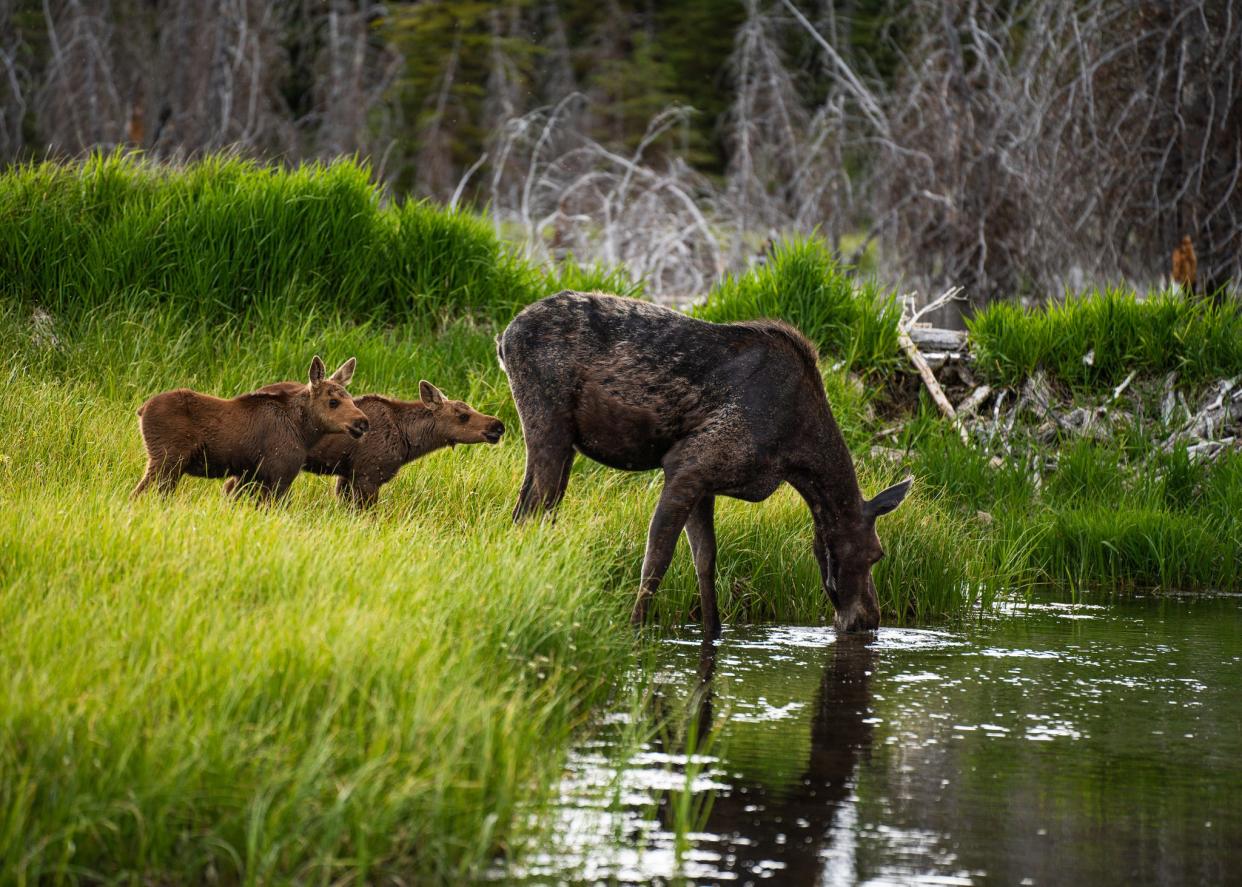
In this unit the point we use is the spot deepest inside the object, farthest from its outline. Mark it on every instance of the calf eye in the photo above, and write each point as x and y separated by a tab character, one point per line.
334	403
463	418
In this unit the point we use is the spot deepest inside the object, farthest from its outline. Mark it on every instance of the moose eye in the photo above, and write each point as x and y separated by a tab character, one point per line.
334	403
463	418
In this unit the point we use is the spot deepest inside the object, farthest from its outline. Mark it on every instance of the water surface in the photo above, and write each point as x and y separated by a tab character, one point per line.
1060	743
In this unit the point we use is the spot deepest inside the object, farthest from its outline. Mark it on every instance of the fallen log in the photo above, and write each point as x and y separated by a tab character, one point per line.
930	338
913	352
974	400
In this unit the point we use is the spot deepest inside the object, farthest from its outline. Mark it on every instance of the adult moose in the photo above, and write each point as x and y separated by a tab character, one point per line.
724	409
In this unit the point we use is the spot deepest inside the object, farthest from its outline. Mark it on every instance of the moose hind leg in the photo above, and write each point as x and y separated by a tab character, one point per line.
549	459
355	493
701	532
148	477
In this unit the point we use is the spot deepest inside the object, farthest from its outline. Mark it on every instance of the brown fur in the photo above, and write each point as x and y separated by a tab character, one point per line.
400	432
1185	265
723	409
262	437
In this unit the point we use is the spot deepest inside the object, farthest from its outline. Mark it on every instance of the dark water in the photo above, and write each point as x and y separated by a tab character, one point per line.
1057	743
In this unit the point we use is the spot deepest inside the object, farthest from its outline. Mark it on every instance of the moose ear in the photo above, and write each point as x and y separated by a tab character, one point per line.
345	372
887	500
430	394
316	370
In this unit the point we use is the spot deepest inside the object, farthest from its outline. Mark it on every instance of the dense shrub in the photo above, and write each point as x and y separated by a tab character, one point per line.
224	236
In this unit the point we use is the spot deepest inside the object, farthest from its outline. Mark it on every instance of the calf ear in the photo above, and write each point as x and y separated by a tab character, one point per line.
345	372
430	394
316	370
887	500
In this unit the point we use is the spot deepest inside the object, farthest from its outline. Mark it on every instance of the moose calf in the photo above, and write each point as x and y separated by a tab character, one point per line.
400	432
261	437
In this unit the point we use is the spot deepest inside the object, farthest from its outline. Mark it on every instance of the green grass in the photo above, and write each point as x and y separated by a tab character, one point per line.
1202	341
227	237
199	689
1105	516
853	323
302	693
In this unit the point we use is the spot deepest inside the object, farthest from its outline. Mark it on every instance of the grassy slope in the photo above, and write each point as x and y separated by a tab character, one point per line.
303	693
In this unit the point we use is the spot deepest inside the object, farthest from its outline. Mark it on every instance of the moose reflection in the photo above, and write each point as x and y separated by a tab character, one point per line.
789	830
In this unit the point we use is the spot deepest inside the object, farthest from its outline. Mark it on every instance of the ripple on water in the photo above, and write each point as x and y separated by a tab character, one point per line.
919	756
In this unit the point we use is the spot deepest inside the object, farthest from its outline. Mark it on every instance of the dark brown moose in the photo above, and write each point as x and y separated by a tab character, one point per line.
262	437
400	432
724	409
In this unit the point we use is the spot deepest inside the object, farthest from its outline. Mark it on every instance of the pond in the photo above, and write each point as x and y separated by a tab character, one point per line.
1052	743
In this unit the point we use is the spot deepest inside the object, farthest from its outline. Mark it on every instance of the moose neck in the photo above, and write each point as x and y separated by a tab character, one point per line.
308	427
418	430
825	474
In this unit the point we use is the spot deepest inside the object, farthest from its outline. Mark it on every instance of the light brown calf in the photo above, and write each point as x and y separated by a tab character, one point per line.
400	432
262	437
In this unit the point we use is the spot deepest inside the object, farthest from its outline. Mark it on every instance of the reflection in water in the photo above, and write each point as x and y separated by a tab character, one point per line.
790	830
1055	744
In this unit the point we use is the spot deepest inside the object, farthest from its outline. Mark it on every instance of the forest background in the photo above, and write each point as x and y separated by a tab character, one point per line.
1017	149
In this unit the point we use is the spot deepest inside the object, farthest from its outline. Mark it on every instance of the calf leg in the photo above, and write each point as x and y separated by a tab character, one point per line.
164	473
701	531
359	494
273	488
676	501
238	485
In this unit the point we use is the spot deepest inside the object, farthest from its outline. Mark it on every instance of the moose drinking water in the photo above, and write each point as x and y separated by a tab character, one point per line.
724	409
400	432
261	437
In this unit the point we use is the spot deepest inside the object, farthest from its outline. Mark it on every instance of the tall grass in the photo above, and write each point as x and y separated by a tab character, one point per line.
203	689
1121	332
227	237
1104	516
853	323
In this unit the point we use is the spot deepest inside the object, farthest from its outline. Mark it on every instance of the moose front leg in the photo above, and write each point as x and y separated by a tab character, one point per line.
824	559
670	516
355	492
272	485
701	531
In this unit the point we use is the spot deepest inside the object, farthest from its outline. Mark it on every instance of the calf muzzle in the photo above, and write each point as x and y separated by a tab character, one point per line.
493	433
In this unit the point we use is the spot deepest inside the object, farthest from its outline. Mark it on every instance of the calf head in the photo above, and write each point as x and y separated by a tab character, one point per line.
330	404
855	549
458	422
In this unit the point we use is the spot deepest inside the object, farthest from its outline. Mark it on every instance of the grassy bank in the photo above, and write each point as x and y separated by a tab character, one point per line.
200	689
306	693
1116	510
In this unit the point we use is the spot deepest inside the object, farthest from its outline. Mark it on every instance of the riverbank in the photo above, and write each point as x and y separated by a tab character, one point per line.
201	689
